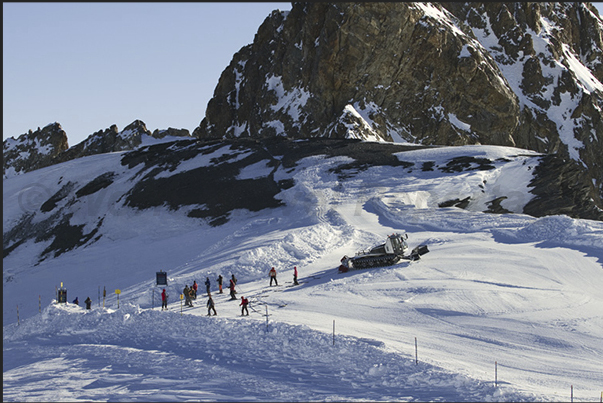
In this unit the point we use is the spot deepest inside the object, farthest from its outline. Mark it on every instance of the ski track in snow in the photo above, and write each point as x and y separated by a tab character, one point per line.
511	289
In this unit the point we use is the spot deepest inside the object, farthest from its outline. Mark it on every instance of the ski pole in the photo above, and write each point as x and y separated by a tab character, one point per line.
249	305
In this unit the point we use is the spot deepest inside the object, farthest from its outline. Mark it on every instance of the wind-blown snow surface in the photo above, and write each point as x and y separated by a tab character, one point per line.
521	292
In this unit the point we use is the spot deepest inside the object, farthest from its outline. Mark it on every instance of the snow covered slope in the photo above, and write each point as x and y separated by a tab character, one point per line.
507	293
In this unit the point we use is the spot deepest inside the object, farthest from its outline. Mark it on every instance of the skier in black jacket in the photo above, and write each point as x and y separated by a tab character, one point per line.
220	283
210	306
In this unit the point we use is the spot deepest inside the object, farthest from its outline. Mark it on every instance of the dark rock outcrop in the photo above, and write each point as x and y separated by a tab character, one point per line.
170	131
107	141
560	187
34	150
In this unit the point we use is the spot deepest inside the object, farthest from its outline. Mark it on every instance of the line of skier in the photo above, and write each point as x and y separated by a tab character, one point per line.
190	293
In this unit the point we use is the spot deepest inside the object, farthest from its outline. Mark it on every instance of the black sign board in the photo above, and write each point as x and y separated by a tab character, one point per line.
161	278
62	297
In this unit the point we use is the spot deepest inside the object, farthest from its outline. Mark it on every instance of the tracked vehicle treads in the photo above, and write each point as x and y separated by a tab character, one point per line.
387	254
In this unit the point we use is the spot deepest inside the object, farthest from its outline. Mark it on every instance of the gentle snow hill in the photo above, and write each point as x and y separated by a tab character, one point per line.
511	289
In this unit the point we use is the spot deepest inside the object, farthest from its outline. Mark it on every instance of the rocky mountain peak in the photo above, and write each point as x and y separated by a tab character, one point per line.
514	74
33	149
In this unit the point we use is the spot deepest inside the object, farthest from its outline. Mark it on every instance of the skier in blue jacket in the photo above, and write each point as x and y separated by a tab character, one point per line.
207	283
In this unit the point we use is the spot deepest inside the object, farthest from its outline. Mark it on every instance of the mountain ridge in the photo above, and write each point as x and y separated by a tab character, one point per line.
49	145
526	75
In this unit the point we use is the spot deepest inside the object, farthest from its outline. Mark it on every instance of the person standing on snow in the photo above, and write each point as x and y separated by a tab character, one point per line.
295	276
243	305
88	302
187	296
220	283
232	290
210	306
195	287
164	298
207	284
273	276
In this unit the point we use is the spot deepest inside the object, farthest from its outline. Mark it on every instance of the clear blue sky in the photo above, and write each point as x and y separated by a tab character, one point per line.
91	65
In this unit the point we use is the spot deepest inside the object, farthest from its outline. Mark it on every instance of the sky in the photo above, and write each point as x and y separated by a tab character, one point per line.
90	65
504	307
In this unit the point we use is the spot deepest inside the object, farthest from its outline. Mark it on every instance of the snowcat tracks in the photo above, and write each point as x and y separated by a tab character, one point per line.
378	261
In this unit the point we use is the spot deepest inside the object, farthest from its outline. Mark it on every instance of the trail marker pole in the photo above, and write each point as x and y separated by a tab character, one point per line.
571	393
266	316
18	320
416	353
104	295
333	331
181	297
117	292
495	373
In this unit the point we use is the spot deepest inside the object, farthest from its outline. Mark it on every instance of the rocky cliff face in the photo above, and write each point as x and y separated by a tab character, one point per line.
49	145
518	74
109	140
33	150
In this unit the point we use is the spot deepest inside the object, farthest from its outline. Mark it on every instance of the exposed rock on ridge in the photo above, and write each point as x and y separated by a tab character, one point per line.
518	74
49	145
35	149
109	140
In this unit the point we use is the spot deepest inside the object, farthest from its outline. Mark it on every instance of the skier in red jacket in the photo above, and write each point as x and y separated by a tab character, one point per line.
164	298
273	276
232	290
243	305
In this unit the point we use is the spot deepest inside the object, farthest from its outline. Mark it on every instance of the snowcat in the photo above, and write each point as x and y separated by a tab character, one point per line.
387	254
